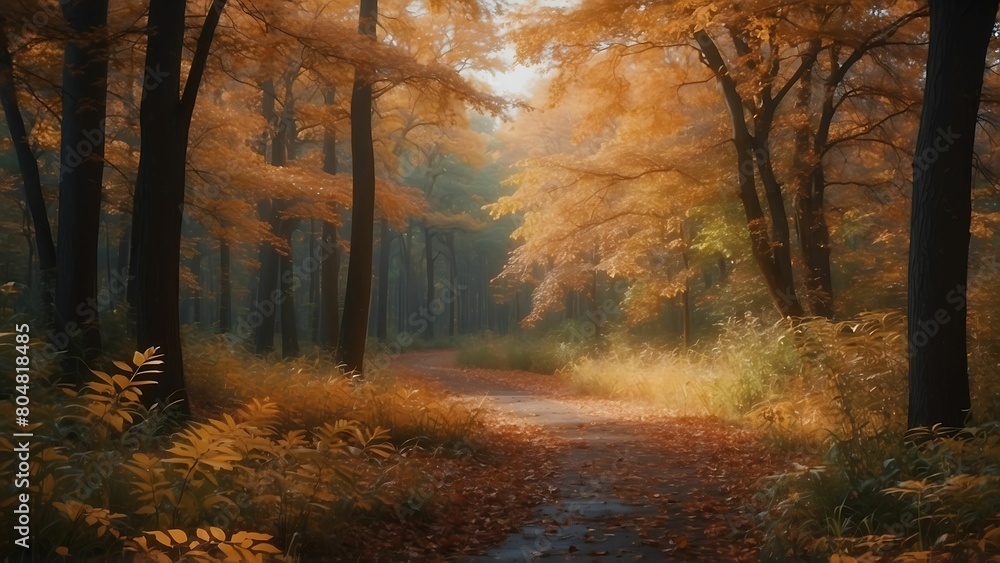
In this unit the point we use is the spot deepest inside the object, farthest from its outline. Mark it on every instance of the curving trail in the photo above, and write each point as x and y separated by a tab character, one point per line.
632	483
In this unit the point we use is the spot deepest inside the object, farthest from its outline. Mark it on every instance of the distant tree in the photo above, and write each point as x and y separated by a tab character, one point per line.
28	164
330	265
960	31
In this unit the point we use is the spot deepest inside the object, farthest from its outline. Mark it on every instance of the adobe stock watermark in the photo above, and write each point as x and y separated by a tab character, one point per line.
95	138
88	312
214	184
43	17
943	141
595	490
266	308
590	326
420	321
73	157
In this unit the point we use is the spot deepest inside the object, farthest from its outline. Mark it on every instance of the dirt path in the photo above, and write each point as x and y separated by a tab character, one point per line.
632	483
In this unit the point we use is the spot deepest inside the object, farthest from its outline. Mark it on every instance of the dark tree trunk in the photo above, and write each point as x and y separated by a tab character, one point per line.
429	300
773	259
28	164
331	289
314	288
404	283
119	281
269	297
265	300
455	293
685	300
287	286
810	185
384	263
124	247
81	175
165	118
284	149
330	265
225	288
196	293
723	268
960	32
357	301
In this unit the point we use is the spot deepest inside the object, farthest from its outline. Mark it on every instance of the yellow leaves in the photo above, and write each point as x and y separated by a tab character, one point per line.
211	546
164	539
113	400
80	513
204	445
703	16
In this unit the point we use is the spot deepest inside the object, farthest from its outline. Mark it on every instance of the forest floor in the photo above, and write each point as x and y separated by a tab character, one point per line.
588	479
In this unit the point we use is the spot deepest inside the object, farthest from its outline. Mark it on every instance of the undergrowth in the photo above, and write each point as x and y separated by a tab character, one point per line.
275	461
874	496
523	352
748	365
835	392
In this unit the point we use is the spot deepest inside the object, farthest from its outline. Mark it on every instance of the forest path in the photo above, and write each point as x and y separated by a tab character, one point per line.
633	483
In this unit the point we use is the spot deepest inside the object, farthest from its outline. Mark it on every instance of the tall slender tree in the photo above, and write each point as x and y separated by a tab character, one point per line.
165	121
357	301
330	265
81	176
28	164
960	31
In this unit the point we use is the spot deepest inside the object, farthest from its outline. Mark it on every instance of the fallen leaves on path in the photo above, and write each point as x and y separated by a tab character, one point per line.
464	504
689	479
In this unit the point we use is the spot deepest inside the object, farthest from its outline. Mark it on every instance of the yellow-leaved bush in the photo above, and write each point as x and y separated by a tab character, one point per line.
110	478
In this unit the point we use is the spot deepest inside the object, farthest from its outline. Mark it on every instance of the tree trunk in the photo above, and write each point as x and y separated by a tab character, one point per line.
960	31
225	288
357	302
772	263
269	296
314	288
284	149
287	285
452	272
28	164
810	185
685	297
331	289
196	293
330	264
81	159
384	263
402	304
165	117
428	302
265	301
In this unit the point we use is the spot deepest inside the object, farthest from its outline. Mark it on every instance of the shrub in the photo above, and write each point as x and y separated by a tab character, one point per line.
545	355
876	496
248	478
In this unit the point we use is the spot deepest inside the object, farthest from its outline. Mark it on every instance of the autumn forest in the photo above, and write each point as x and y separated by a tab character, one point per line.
499	280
